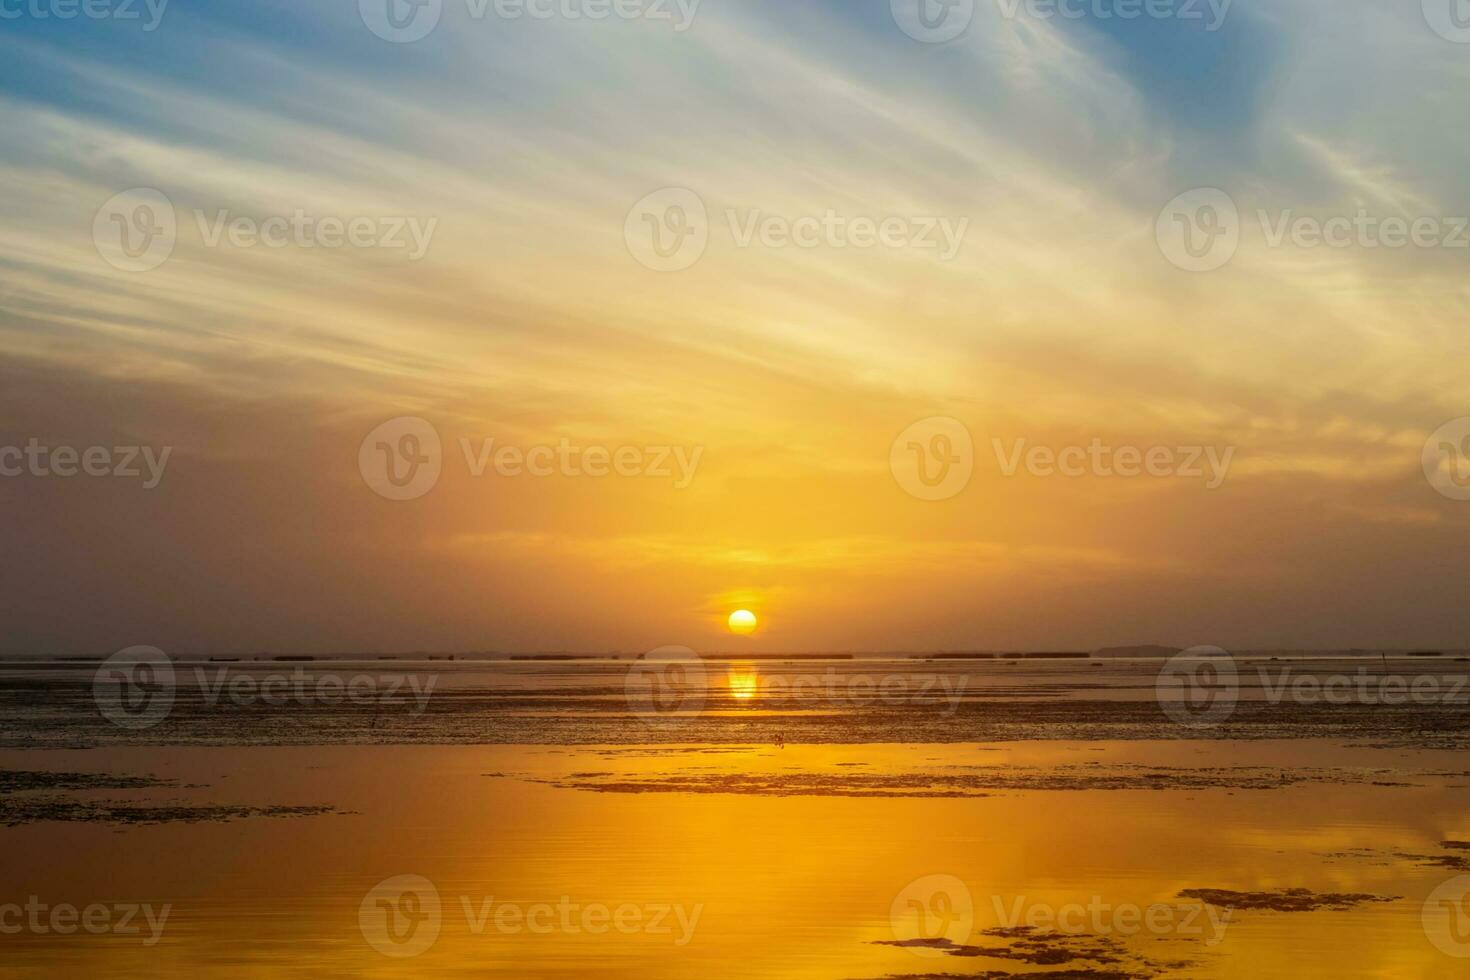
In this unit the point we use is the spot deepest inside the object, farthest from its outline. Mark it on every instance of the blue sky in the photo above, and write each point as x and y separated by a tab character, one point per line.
523	149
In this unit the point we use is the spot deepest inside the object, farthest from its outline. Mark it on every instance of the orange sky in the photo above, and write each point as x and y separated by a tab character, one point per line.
790	370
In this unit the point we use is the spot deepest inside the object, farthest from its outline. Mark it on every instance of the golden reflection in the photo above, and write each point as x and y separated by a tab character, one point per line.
973	863
744	682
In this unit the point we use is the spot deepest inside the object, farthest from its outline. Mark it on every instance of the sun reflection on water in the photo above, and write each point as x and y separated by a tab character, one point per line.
743	682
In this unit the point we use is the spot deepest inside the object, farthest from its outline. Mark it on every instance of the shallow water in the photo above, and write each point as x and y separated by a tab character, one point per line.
861	701
840	819
790	882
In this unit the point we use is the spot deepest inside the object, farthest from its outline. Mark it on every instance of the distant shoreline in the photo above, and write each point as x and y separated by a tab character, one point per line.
947	656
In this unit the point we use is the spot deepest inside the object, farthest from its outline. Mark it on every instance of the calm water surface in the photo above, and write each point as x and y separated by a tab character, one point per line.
777	876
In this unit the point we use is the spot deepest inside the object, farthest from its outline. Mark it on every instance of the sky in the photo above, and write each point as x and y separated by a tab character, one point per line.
653	234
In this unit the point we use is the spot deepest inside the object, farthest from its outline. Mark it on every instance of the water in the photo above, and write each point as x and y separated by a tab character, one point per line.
866	700
669	852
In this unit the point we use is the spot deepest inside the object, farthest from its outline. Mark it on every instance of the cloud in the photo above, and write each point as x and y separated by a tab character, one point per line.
528	318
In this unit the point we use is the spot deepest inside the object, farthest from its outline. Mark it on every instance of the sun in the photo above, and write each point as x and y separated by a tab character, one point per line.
743	622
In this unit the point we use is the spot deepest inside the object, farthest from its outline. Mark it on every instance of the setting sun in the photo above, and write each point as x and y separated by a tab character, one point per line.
742	622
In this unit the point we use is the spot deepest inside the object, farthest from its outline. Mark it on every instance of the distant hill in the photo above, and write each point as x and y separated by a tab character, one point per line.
1146	650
